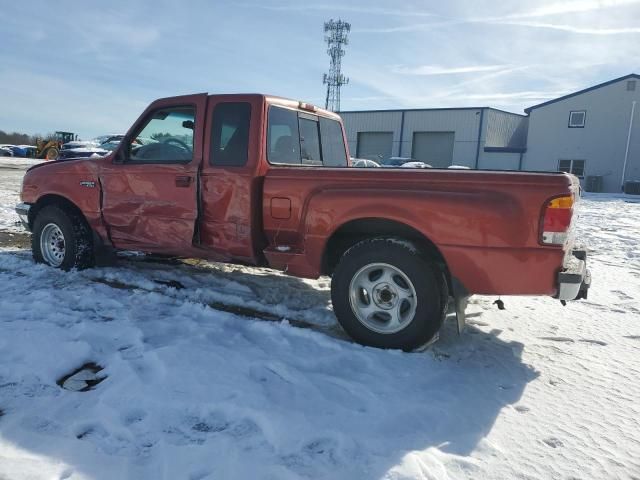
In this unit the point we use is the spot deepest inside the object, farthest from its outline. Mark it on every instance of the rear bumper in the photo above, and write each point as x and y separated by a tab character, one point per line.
575	280
22	209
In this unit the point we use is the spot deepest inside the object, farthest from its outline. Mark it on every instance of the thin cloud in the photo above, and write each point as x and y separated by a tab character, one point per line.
343	8
414	27
575	29
553	9
519	96
579	6
429	70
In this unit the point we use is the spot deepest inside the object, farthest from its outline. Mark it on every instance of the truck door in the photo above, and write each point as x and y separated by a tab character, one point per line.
150	189
231	222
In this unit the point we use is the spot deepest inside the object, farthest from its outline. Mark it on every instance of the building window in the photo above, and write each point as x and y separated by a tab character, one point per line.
575	167
577	119
631	85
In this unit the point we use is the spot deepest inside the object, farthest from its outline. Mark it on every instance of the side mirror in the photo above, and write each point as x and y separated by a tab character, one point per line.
188	124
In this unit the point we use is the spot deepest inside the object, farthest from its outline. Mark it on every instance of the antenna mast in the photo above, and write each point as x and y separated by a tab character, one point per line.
336	32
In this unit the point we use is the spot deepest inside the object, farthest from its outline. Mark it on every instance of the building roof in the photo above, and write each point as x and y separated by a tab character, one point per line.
428	110
580	92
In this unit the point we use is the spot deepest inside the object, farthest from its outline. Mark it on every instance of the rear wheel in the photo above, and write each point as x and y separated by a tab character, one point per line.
387	294
61	239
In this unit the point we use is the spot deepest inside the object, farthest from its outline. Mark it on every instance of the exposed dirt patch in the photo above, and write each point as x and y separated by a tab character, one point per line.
82	379
15	239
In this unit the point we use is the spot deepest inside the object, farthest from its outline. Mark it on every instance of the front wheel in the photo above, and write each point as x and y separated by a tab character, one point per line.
61	239
52	153
386	294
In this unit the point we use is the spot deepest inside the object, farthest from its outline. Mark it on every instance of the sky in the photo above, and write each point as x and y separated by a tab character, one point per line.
92	67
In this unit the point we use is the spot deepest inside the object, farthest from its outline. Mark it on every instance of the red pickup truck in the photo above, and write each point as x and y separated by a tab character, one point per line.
265	181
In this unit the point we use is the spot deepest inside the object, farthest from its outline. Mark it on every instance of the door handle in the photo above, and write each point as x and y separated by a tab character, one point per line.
183	181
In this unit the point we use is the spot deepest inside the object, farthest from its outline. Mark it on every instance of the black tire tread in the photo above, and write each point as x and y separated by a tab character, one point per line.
77	234
426	275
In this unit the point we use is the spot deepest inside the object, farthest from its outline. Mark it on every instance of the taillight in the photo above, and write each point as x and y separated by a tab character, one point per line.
557	220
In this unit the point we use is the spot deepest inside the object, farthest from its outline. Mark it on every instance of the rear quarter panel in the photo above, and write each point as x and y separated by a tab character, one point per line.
485	224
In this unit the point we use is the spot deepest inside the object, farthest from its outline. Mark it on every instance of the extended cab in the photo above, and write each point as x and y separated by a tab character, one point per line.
265	181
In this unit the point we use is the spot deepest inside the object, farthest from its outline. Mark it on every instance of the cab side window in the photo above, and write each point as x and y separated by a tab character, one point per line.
309	140
334	154
166	137
230	134
283	142
300	138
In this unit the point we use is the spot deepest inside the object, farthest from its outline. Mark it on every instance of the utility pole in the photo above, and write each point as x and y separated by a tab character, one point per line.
336	33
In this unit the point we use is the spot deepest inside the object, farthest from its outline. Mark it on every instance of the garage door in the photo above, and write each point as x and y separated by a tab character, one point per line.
374	145
434	148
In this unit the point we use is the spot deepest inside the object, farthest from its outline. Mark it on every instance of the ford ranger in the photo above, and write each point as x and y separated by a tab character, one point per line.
265	181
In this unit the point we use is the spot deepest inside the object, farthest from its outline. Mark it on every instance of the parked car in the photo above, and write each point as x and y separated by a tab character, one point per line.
5	151
257	180
405	162
30	151
79	149
16	150
97	147
113	141
415	164
364	163
21	151
106	138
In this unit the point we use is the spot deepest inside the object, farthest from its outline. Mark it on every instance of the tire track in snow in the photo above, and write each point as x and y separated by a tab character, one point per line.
240	311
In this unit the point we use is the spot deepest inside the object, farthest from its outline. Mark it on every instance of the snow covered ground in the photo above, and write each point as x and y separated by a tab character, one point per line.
11	173
199	386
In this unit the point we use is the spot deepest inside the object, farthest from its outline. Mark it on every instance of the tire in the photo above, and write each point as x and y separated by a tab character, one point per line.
69	232
409	314
51	153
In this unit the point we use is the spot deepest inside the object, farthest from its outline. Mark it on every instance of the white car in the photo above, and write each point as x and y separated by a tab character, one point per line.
415	165
364	163
404	162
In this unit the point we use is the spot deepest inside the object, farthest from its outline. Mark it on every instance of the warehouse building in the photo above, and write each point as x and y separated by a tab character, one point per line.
592	133
480	137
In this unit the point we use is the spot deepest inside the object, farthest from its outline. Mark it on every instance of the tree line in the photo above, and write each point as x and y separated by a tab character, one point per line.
17	138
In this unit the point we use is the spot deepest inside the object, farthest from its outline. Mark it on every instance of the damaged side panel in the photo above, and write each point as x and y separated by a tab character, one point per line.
143	206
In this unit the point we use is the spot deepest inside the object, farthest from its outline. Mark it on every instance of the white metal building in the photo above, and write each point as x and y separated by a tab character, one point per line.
480	137
593	133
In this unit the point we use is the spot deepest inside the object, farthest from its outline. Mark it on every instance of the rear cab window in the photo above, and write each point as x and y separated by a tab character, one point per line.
300	138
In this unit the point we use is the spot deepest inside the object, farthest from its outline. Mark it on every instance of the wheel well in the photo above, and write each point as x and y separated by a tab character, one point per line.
58	201
357	230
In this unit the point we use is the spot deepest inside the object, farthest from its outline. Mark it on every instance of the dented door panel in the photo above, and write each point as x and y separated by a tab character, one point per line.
143	206
231	196
154	204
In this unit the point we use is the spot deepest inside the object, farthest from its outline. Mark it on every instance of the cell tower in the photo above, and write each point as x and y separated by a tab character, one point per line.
336	32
